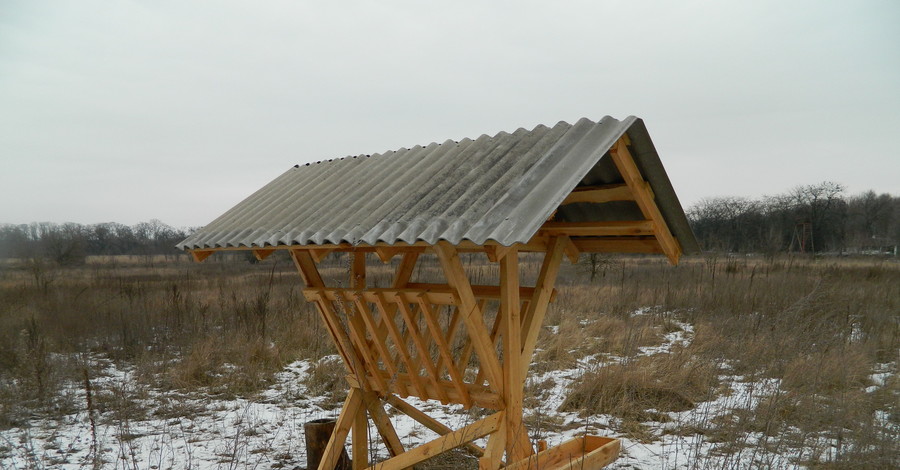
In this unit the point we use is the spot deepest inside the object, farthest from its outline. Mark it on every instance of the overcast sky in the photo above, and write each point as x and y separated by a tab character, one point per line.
128	111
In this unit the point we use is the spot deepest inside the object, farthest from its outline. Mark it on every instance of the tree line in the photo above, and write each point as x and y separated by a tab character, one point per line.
71	243
815	218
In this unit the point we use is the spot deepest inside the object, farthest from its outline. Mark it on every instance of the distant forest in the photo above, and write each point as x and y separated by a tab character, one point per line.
817	218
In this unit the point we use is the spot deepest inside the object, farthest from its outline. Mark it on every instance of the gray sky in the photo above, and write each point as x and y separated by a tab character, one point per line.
127	111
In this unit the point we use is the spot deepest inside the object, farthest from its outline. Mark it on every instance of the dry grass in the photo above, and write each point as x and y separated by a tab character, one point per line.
816	327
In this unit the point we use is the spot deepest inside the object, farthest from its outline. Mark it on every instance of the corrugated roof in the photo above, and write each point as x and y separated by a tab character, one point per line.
500	188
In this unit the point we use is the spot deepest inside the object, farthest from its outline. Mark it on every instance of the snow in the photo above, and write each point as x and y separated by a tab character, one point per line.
265	431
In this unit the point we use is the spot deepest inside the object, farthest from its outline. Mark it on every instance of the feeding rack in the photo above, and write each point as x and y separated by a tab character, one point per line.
560	191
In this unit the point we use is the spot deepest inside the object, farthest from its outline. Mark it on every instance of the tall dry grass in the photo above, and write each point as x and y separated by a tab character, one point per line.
818	328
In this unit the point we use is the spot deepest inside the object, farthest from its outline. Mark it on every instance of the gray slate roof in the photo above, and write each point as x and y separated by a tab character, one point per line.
499	188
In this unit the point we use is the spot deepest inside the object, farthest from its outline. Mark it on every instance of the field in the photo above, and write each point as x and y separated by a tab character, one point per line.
720	362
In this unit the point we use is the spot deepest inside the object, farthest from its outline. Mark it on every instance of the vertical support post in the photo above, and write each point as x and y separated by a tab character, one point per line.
360	440
360	432
517	444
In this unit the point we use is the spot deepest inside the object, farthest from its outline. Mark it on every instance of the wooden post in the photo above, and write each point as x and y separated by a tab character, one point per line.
517	444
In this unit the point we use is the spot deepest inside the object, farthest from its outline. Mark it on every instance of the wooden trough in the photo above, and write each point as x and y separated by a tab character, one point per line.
455	342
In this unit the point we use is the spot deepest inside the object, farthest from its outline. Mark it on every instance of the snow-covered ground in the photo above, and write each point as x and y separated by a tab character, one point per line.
266	431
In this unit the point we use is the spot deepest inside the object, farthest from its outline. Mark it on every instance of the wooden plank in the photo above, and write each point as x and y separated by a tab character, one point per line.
401	344
493	452
599	194
472	315
359	439
200	255
633	178
341	429
537	308
447	297
311	277
618	245
572	251
385	254
587	452
405	269
455	439
599	229
517	443
423	355
357	328
262	254
383	424
495	340
481	396
428	421
467	348
358	270
379	340
320	254
480	291
452	328
444	350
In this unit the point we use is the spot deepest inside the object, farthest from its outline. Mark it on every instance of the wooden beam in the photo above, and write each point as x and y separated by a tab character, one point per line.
311	277
359	439
618	245
633	178
537	308
517	444
444	350
262	254
493	452
445	297
357	328
428	421
345	421
358	271
200	255
472	315
379	339
480	291
599	194
422	353
405	269
321	253
383	424
572	252
481	396
401	345
599	229
385	254
455	439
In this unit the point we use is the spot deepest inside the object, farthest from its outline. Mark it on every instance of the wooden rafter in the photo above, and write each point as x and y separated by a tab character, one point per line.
644	198
599	229
599	194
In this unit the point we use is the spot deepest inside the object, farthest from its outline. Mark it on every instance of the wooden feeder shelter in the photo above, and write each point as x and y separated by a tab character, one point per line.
560	191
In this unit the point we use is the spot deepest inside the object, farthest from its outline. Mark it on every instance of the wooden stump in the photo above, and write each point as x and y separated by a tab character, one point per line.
318	432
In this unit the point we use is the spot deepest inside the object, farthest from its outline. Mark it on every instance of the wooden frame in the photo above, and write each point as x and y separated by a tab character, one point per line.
396	342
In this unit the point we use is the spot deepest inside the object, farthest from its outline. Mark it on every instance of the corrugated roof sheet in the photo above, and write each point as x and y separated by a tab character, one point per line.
499	188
